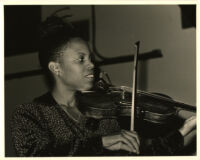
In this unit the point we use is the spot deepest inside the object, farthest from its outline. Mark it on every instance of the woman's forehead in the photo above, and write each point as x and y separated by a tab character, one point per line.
77	47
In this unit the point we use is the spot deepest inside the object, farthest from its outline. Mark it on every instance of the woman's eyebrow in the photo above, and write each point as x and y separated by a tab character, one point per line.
81	53
84	54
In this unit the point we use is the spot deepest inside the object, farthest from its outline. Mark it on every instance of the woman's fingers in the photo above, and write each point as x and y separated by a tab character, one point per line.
132	140
121	146
133	134
188	126
191	122
127	148
125	141
191	119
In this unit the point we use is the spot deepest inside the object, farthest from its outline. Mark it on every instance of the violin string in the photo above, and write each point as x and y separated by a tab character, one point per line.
161	97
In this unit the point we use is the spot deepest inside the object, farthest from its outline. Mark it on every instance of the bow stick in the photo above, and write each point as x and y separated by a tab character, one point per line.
134	89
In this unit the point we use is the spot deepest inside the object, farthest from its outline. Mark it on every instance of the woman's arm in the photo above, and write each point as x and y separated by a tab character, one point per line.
170	144
29	137
32	136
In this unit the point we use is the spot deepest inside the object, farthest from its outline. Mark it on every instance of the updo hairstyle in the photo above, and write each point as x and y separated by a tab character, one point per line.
54	35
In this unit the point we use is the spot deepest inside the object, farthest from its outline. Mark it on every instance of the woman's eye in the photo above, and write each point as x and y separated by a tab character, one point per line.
81	59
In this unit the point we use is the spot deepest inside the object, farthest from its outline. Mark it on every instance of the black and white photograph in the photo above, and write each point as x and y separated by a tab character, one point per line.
100	80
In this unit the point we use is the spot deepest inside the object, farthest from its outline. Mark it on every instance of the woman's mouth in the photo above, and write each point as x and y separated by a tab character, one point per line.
90	76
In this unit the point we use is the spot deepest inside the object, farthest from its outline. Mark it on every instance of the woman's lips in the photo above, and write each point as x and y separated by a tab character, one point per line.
90	76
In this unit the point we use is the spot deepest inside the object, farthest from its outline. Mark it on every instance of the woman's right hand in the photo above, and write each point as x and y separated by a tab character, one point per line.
125	140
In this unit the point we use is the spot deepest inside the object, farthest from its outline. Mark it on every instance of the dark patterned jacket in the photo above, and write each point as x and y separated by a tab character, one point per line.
43	128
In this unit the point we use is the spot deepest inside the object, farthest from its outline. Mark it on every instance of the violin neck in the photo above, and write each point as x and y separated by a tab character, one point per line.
168	100
185	106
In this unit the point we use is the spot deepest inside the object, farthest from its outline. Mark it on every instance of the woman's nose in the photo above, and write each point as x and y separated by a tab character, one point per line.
90	65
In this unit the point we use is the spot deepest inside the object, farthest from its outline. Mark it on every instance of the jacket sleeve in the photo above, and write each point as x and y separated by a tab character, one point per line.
29	138
170	144
92	146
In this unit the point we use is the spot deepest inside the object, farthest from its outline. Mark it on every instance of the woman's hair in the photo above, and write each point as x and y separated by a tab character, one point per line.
54	35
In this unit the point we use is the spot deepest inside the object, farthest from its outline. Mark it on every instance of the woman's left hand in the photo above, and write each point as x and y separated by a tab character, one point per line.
188	126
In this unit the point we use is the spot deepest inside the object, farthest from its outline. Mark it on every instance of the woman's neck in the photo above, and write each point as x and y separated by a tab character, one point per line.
64	96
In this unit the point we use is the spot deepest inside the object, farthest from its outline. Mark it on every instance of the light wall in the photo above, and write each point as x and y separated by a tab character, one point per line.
156	27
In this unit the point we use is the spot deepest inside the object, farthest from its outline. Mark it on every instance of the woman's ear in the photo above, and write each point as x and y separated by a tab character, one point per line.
54	67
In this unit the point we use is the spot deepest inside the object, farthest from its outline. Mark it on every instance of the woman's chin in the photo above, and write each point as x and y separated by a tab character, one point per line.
86	87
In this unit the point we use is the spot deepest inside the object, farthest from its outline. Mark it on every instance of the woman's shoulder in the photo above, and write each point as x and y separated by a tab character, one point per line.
36	106
45	99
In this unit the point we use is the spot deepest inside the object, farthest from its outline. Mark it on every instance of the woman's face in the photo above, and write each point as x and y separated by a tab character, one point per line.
76	68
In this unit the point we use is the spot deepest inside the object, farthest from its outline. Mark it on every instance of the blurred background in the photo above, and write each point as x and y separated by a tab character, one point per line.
167	35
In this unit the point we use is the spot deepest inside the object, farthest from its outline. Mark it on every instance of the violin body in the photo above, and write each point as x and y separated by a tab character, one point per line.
154	120
98	105
146	108
111	105
152	114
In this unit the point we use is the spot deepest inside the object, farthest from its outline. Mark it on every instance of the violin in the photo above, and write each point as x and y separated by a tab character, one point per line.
116	102
155	114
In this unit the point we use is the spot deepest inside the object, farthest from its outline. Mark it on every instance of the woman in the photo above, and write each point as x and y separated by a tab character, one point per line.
54	124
